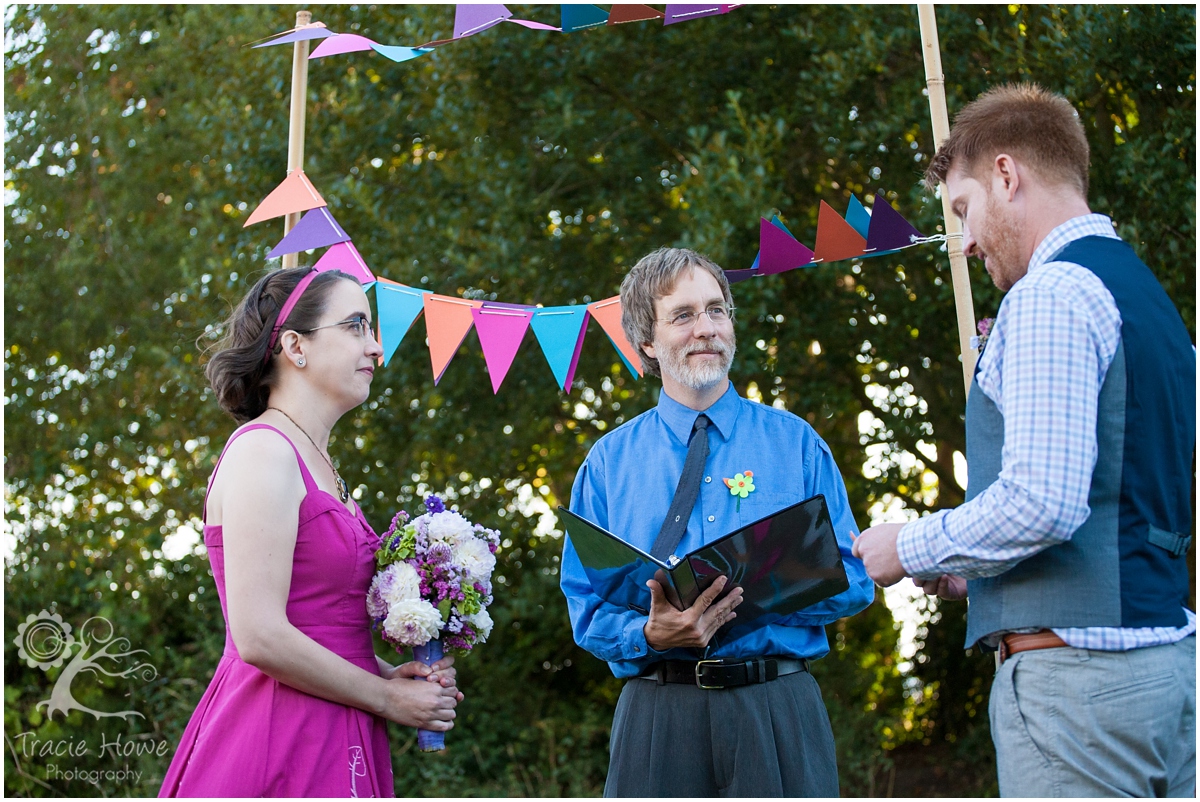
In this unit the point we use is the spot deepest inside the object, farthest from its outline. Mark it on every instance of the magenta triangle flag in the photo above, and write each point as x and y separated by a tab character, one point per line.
345	257
501	330
316	229
779	251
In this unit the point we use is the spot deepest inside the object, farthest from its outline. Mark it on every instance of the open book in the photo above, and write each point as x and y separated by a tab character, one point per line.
784	562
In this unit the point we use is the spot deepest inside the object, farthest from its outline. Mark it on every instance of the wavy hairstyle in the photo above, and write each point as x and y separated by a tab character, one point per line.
238	368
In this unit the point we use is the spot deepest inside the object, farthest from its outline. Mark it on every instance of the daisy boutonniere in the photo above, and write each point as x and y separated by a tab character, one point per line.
741	486
984	326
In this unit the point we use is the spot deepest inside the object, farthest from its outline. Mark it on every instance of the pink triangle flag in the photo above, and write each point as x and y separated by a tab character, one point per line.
294	194
345	257
340	44
779	250
501	330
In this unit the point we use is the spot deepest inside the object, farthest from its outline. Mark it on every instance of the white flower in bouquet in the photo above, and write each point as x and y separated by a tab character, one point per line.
475	558
447	527
413	622
482	623
394	584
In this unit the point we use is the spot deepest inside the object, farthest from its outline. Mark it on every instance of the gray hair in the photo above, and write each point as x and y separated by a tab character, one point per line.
652	278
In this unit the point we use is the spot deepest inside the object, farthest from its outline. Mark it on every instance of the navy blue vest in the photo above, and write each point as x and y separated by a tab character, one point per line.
1123	567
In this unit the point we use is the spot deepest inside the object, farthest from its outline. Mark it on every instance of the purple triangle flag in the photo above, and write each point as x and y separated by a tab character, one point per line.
345	257
472	18
888	229
315	32
780	251
316	229
501	330
734	276
683	13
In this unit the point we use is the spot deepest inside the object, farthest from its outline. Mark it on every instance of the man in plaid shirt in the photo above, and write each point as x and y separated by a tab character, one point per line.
1081	428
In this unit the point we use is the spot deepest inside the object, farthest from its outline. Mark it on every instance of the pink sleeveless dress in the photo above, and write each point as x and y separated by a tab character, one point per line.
252	735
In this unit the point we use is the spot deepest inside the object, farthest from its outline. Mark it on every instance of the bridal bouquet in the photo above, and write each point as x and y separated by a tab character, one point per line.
432	586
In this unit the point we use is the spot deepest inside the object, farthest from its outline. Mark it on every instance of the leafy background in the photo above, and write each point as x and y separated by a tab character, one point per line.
522	167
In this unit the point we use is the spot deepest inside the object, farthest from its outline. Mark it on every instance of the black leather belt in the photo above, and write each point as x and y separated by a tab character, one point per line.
731	672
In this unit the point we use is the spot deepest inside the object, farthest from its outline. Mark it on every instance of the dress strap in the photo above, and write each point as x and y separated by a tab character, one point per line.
310	485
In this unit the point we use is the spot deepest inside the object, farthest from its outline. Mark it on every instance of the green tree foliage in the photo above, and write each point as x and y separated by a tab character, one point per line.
521	167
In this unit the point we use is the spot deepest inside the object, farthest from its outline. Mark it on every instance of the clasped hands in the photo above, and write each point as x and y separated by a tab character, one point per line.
876	547
428	705
669	627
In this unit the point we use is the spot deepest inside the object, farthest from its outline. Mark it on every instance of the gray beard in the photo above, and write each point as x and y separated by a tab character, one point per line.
702	377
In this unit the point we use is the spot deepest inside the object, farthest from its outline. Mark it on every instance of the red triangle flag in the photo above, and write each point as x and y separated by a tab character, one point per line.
836	239
632	13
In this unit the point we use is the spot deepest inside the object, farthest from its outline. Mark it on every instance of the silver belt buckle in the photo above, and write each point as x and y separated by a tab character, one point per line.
700	684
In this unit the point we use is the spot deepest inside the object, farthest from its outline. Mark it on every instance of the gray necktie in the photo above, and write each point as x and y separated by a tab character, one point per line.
686	492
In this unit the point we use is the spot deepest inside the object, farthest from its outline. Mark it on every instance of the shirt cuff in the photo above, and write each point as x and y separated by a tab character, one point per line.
635	646
915	546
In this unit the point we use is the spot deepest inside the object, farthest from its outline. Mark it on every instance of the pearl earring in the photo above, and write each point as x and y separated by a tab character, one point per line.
300	362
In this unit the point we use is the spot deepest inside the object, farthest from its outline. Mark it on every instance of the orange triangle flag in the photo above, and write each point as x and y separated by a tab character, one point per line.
295	194
608	314
447	321
836	239
632	13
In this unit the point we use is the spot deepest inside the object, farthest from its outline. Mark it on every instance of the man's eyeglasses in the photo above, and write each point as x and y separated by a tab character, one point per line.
717	314
358	325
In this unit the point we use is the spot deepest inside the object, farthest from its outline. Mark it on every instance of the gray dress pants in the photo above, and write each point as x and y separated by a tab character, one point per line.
771	739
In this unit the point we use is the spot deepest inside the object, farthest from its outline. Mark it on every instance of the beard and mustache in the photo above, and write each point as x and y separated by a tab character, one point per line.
705	375
1001	244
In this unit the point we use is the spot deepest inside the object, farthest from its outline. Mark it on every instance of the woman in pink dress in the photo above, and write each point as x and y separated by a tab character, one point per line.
299	702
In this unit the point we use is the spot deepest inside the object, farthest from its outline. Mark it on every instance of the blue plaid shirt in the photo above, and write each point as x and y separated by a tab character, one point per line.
1046	358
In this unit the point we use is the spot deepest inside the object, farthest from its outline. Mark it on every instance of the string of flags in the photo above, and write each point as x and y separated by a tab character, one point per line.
473	18
559	330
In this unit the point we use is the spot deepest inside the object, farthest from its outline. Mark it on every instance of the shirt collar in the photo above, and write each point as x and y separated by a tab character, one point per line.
680	419
1086	225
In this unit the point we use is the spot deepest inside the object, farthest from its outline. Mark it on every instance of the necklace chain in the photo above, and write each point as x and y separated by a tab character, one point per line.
343	490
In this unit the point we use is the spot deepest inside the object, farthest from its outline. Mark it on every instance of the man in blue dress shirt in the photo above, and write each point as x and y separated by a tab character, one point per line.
766	732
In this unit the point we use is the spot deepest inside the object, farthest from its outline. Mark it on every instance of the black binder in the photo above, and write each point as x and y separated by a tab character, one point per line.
784	562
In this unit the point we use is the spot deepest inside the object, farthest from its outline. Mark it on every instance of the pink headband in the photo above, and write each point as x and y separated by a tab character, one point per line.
288	306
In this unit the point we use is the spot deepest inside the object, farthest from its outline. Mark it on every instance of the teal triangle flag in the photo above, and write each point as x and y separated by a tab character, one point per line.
398	308
560	331
578	17
858	217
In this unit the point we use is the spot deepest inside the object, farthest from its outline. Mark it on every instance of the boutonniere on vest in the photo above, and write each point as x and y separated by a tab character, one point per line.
741	486
985	328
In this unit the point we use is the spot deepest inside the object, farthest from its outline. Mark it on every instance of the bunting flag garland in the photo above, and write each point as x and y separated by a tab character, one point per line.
470	18
316	229
294	194
398	308
399	53
683	13
342	43
560	331
345	257
447	322
608	314
501	330
315	30
836	239
580	17
888	228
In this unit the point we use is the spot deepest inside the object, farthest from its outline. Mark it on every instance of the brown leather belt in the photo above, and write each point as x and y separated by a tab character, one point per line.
1014	642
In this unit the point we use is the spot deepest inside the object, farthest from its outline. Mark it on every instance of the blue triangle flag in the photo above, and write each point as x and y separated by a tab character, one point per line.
578	17
858	217
560	330
398	308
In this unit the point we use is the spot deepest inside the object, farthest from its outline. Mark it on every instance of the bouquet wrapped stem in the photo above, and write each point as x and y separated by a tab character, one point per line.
430	653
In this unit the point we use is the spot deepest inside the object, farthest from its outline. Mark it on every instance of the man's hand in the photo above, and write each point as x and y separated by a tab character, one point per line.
668	627
946	586
876	547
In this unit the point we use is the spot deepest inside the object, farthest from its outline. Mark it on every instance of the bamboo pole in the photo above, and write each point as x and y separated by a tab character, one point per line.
935	81
296	123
